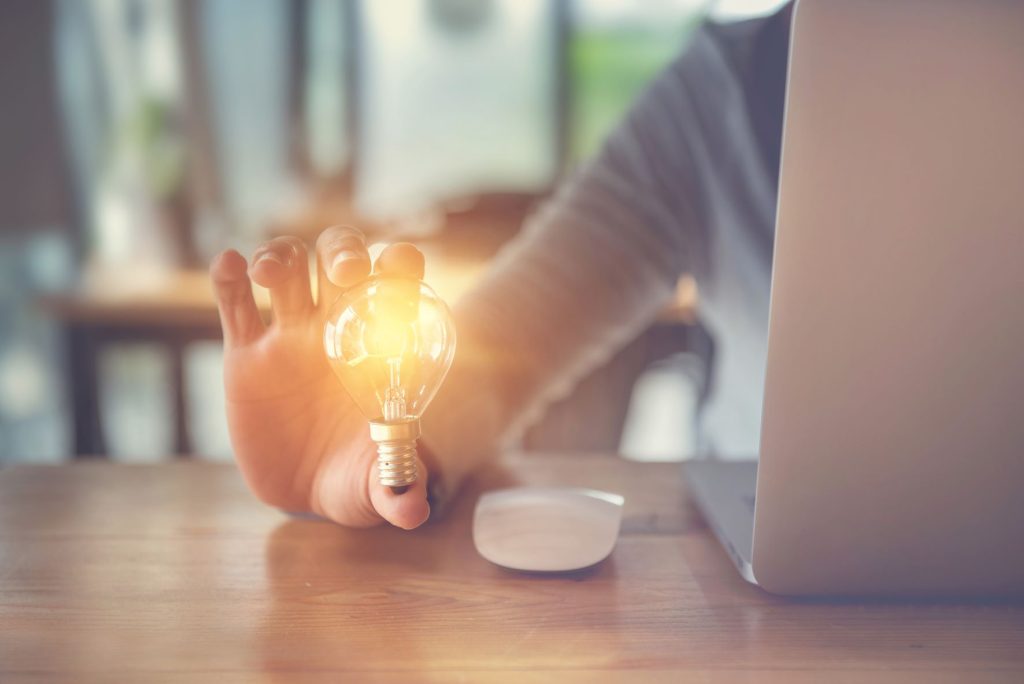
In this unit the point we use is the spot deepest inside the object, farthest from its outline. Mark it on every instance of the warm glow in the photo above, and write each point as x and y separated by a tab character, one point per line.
390	342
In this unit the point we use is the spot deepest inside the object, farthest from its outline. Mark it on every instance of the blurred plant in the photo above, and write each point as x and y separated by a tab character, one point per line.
144	208
612	59
151	142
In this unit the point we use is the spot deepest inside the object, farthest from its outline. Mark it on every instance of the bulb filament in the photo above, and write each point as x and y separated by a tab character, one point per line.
394	396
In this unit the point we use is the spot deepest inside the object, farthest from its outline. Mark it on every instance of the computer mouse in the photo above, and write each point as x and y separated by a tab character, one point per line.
546	529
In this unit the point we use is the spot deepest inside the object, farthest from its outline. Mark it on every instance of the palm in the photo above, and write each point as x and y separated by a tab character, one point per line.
299	440
291	417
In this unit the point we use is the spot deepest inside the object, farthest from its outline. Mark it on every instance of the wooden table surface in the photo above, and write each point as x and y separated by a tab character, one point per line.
175	573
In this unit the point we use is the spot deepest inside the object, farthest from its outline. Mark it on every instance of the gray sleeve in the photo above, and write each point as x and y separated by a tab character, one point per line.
589	272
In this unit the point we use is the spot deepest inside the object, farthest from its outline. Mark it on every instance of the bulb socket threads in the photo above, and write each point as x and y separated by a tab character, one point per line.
396	452
396	465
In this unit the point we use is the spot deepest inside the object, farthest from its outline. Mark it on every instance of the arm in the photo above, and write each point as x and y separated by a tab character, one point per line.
586	276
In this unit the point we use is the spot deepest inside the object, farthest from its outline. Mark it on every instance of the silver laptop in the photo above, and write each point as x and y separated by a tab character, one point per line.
892	446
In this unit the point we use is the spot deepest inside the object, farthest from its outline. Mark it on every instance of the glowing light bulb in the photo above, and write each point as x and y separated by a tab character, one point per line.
391	341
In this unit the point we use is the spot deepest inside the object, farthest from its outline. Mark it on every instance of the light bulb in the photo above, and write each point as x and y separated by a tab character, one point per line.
391	341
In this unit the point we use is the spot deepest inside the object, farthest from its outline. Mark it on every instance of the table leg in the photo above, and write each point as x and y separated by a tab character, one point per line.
182	442
84	392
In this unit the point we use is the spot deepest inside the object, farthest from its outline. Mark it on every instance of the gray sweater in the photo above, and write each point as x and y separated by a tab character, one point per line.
687	184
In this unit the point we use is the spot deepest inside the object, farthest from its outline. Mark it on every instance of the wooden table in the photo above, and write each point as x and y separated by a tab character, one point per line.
175	573
172	308
177	308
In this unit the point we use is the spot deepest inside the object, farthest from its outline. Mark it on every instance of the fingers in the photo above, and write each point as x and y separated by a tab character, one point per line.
239	317
407	510
401	260
342	261
282	267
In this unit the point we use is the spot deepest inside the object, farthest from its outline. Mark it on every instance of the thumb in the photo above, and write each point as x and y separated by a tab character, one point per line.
348	491
407	510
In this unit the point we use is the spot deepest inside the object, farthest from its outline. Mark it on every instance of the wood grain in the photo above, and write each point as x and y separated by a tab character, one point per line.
175	573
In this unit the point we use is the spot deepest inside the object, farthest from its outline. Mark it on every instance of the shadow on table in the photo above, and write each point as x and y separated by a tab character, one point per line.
356	601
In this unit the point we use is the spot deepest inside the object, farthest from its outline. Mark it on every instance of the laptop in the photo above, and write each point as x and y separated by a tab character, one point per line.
892	449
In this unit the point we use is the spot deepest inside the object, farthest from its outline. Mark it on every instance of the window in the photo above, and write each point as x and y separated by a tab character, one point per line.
616	47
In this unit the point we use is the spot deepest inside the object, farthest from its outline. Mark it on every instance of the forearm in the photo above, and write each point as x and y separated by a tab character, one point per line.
586	276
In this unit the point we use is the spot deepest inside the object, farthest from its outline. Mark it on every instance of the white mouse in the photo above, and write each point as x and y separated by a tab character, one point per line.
546	529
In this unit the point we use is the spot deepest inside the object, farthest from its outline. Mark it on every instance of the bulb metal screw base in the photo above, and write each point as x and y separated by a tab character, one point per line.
396	452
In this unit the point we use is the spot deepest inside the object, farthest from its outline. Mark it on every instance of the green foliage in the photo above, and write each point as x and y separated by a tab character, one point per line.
609	69
152	139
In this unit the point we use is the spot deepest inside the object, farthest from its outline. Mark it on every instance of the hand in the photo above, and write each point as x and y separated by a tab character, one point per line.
300	442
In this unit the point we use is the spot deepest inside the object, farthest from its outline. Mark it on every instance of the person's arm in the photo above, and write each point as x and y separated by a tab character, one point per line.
587	275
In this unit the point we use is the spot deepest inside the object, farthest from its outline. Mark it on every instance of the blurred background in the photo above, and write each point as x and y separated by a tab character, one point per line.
140	137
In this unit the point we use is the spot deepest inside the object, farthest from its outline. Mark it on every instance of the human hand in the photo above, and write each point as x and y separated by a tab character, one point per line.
300	442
